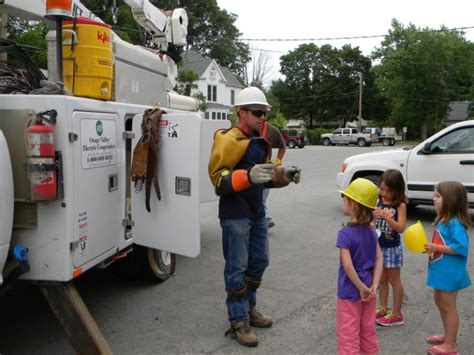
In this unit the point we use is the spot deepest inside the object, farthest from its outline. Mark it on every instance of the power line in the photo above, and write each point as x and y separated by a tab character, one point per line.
339	38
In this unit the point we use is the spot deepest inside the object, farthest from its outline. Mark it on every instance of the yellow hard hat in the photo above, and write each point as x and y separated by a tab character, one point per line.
362	191
415	238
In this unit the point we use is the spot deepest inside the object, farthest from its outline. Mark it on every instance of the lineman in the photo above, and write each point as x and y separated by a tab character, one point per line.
239	169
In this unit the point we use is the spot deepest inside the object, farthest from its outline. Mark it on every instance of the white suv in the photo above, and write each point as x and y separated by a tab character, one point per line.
447	155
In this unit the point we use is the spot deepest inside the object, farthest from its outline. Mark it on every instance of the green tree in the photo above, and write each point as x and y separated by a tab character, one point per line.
279	121
186	82
33	36
322	84
421	71
125	25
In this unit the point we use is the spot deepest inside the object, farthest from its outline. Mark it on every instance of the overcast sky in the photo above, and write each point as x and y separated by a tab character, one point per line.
270	19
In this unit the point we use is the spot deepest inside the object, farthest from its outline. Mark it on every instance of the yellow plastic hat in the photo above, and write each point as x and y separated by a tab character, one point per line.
362	191
415	238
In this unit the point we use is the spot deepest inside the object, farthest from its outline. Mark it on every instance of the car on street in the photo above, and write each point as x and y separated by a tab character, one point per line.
447	155
294	137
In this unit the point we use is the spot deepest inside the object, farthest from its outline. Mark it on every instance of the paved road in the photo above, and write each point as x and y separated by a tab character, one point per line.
186	314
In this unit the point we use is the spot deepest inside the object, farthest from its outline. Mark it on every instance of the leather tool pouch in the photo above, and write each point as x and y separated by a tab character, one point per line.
139	164
145	156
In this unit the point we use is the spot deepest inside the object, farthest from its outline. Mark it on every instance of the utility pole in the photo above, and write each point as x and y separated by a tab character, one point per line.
359	117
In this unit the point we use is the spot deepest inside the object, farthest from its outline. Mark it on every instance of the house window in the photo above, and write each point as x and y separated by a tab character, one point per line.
232	97
223	115
213	115
206	115
218	115
212	93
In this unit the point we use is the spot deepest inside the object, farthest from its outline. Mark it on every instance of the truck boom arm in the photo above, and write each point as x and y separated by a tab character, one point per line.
164	28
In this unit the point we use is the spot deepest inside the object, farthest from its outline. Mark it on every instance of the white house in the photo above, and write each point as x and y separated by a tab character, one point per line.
458	111
217	83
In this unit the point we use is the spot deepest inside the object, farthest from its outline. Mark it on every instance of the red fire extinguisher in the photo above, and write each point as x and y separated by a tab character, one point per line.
41	160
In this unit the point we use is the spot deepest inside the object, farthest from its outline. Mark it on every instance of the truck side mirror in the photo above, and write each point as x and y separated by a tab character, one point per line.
426	148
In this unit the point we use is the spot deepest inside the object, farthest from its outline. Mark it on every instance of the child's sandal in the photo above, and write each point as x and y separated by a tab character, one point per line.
435	340
435	350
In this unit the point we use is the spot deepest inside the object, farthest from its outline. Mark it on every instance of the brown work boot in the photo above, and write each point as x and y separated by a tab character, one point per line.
259	320
242	332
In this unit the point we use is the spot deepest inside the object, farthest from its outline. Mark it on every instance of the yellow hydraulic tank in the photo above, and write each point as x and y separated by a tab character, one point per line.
88	58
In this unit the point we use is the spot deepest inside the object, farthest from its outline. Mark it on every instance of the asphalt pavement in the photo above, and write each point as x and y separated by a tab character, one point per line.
187	315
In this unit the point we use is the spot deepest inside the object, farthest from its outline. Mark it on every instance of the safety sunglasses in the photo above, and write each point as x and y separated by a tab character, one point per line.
257	113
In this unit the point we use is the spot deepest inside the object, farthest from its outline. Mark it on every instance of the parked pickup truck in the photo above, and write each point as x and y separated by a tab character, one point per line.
447	155
346	136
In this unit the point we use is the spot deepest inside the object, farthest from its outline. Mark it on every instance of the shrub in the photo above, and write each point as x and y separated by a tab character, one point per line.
314	135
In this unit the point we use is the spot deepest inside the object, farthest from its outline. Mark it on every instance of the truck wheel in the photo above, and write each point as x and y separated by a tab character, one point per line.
326	142
361	142
146	264
161	264
291	144
392	142
386	142
374	178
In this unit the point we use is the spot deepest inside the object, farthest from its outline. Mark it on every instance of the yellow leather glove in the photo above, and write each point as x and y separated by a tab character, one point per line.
276	162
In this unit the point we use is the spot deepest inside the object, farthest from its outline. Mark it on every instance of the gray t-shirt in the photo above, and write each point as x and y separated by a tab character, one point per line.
274	137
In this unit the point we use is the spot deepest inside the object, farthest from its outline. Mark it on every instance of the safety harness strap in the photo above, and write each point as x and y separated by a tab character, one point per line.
237	294
253	282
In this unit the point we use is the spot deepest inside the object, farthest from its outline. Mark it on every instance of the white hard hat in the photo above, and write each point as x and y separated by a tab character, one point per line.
251	96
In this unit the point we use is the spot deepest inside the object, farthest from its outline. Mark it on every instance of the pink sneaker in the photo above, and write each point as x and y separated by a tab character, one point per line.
390	320
381	312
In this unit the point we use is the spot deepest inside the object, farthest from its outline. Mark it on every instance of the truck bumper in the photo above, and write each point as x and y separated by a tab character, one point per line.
342	181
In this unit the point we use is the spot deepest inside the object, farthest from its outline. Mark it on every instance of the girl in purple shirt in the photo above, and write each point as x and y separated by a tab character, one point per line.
359	271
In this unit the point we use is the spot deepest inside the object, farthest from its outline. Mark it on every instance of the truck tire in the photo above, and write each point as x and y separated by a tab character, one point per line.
326	142
386	142
146	264
291	144
361	142
374	178
393	142
161	264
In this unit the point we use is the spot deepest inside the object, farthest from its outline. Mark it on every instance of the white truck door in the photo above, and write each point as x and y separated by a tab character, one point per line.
173	224
208	128
6	202
99	185
451	158
337	136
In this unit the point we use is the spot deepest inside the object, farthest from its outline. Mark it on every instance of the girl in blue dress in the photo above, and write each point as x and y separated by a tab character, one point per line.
447	268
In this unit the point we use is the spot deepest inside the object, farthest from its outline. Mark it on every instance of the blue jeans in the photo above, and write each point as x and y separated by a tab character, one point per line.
245	247
268	215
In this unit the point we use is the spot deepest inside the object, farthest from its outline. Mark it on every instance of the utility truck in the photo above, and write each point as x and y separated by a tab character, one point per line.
70	200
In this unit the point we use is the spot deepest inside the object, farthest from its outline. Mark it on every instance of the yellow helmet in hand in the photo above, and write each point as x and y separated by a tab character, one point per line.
415	238
362	191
